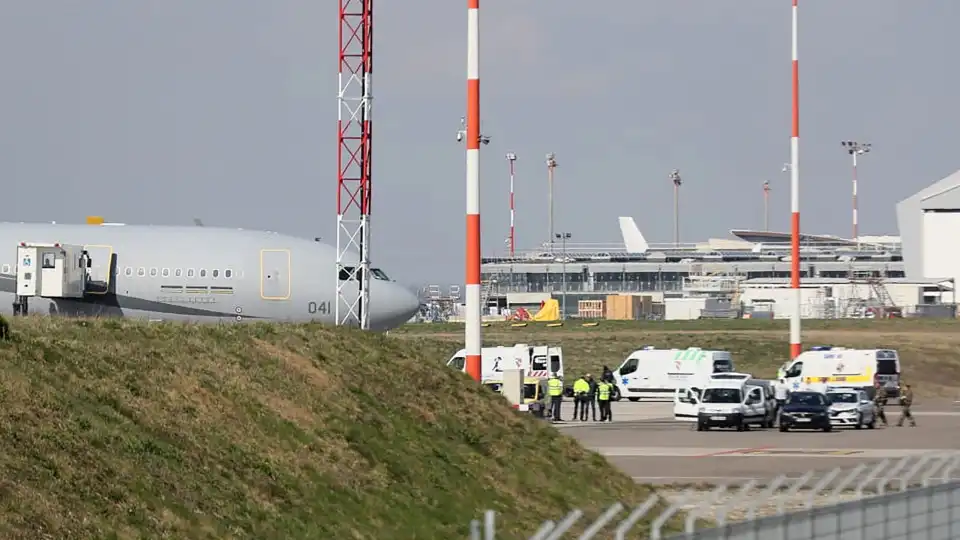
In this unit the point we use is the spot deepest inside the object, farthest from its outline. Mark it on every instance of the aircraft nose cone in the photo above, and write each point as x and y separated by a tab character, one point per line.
393	306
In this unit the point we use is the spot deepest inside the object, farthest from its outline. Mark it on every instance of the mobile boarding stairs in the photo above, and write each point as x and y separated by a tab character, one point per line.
50	271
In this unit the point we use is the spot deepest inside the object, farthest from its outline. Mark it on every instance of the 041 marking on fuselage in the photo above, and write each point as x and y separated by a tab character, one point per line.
321	308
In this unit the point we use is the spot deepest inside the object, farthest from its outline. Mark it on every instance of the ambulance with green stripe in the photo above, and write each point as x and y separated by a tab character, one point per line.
656	374
839	367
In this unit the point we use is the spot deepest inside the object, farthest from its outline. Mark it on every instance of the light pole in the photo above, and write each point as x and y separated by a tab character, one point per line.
677	182
512	240
551	165
855	149
563	237
766	205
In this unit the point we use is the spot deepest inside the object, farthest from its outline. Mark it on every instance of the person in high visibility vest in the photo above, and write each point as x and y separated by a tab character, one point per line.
555	391
580	390
604	391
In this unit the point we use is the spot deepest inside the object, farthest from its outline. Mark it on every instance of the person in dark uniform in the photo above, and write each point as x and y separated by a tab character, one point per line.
607	376
906	401
880	401
592	397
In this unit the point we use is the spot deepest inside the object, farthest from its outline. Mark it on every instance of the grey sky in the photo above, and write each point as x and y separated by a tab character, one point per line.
162	110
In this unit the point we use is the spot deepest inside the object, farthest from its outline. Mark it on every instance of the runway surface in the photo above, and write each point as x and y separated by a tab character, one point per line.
646	443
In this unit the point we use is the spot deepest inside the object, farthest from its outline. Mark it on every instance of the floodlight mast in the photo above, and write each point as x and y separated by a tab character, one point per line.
855	149
766	206
677	182
354	163
551	165
512	239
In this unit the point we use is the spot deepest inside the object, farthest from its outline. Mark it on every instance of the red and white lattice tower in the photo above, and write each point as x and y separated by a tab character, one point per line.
354	163
795	347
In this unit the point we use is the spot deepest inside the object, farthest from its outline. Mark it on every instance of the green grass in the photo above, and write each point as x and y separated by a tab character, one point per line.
929	348
118	429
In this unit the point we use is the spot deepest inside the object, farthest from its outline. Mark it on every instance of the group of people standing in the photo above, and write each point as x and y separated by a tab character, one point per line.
588	395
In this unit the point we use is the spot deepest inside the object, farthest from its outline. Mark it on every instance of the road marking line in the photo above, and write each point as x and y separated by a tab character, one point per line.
736	451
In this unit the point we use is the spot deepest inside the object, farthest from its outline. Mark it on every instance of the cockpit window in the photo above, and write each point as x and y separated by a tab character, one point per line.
379	274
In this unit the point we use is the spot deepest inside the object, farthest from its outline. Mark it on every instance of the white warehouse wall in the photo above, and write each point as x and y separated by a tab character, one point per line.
814	298
941	245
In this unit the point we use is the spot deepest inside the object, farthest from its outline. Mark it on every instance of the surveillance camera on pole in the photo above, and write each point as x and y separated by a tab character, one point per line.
463	132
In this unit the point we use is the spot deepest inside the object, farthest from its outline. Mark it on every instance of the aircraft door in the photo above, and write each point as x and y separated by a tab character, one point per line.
101	268
275	274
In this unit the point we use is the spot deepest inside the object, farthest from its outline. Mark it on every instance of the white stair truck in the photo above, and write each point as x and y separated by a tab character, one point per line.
537	361
49	271
839	367
655	374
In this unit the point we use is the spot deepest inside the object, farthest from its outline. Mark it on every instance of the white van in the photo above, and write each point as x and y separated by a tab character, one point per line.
537	361
732	403
840	367
657	373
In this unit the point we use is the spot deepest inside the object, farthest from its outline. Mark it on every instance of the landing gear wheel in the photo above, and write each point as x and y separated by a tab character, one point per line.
859	422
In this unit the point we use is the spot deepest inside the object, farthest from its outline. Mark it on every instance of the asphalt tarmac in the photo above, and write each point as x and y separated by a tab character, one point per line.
646	443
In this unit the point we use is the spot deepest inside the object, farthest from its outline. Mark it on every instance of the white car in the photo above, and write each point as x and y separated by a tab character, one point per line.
850	407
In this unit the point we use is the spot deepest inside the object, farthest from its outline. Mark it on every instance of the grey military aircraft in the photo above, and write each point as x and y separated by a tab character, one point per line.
201	274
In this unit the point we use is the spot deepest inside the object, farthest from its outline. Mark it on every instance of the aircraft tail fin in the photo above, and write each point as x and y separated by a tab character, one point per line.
633	240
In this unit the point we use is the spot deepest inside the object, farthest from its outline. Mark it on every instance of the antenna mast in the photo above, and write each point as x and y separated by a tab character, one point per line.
472	331
795	345
354	163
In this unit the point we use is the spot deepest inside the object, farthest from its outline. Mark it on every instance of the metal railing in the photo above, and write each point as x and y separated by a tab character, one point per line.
915	497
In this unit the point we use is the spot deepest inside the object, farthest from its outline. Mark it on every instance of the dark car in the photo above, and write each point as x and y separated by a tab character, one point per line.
805	410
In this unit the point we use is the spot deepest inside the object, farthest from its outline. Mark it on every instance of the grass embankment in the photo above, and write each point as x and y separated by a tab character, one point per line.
929	348
135	430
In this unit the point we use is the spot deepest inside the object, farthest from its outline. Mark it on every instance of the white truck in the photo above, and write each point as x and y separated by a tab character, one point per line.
839	367
735	403
656	374
536	361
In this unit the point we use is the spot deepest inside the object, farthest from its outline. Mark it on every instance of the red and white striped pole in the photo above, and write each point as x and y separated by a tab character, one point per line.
512	158
795	346
473	314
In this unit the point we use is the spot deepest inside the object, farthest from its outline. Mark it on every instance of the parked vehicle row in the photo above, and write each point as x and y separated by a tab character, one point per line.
742	403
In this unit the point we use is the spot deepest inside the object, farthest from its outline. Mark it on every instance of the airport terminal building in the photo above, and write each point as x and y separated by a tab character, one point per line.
902	275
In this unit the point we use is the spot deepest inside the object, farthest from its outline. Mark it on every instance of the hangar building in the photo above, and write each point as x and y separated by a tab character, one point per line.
929	223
